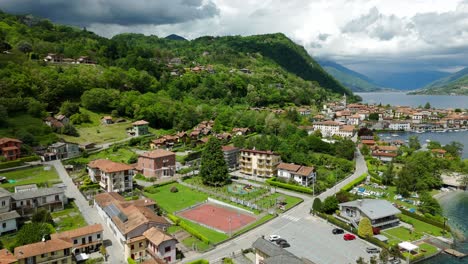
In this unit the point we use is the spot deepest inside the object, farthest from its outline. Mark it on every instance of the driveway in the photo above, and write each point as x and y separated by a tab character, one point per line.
114	249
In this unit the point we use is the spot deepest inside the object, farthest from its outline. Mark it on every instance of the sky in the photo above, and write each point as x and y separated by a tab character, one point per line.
364	35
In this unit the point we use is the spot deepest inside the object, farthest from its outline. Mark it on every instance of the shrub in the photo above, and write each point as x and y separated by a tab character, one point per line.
365	228
317	205
274	182
353	183
18	162
174	189
200	261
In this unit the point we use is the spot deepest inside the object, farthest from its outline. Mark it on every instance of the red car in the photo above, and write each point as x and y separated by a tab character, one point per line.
349	237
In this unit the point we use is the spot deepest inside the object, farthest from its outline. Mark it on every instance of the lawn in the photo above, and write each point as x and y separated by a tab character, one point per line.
35	175
224	190
69	218
427	249
121	155
290	201
212	235
199	245
173	229
400	234
422	227
172	202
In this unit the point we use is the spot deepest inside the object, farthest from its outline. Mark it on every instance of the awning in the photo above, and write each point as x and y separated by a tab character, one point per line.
81	256
408	246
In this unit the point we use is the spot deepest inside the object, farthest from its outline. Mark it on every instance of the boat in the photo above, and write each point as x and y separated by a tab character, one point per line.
428	140
419	131
456	130
395	135
388	137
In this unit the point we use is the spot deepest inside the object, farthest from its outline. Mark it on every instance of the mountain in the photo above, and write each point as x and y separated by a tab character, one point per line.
175	37
353	80
406	80
454	84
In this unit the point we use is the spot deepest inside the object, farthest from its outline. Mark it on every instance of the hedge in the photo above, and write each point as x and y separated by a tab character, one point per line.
425	219
292	187
376	180
200	261
17	162
131	261
353	183
187	228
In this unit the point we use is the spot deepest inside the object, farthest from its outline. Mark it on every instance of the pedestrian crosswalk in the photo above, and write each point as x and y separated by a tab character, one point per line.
292	218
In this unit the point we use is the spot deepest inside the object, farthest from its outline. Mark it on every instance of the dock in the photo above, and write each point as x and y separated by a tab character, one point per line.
455	253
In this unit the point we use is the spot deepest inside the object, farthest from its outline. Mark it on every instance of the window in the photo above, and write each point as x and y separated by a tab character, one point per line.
52	253
64	261
132	247
44	200
4	225
66	252
167	249
44	255
140	245
90	239
98	236
83	240
3	203
57	198
55	262
167	259
75	241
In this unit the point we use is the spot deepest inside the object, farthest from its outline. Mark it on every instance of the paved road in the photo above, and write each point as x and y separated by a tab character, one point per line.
90	214
308	235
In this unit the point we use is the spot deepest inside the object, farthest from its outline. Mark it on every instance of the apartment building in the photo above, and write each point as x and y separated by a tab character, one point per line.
47	252
231	156
111	176
27	203
259	163
86	239
157	163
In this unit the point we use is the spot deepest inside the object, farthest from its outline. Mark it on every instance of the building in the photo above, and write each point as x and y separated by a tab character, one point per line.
5	197
27	203
440	153
381	213
240	131
139	128
259	163
385	153
231	156
6	257
8	222
269	253
107	120
111	176
346	131
154	245
86	239
26	188
157	163
52	57
327	128
303	175
61	150
47	252
10	148
395	125
63	119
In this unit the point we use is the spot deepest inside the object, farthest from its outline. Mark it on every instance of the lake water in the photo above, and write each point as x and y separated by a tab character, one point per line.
455	207
402	99
443	138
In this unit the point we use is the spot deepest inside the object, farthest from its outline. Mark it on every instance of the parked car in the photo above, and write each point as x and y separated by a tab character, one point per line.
337	231
372	250
284	244
349	237
394	261
280	240
273	238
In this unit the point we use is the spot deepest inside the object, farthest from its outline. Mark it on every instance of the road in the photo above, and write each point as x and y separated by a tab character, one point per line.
308	235
90	214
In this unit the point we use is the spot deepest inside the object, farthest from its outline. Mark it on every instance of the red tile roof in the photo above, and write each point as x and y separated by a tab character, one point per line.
156	236
39	248
268	152
6	140
140	122
83	231
229	148
109	166
158	153
6	257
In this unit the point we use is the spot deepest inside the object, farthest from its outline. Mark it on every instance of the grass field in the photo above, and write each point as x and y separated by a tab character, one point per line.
25	123
172	202
189	242
69	218
272	199
213	236
121	155
400	234
35	175
423	227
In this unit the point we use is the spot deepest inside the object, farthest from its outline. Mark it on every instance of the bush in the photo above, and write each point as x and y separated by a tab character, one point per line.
18	162
200	261
353	183
174	189
274	182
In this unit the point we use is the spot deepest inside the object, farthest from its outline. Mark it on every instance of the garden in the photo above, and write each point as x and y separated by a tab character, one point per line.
44	176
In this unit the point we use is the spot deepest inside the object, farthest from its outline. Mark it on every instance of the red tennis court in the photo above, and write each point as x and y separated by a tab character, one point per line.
218	217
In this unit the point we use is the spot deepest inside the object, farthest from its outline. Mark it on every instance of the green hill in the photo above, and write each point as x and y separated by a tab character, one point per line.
353	80
454	84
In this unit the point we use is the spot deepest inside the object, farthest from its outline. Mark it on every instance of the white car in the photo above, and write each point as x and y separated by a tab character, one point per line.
273	238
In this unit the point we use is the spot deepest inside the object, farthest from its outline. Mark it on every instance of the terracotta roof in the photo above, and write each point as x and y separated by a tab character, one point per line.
387	148
135	239
288	166
268	152
6	140
140	122
229	148
156	236
328	123
384	154
108	166
440	151
104	199
39	248
107	117
158	153
6	257
83	231
305	171
348	128
9	148
368	142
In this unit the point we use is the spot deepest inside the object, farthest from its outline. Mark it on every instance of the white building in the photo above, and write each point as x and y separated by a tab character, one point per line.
27	203
381	213
111	176
406	126
327	128
86	239
301	174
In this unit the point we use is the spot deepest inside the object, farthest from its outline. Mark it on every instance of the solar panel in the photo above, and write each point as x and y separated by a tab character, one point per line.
112	211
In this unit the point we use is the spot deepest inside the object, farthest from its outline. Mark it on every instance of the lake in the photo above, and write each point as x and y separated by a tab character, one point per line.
402	99
443	138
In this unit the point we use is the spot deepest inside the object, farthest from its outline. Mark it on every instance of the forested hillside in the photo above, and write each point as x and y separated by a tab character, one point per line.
454	84
170	83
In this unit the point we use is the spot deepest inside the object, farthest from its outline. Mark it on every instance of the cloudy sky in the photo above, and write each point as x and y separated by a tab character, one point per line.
365	35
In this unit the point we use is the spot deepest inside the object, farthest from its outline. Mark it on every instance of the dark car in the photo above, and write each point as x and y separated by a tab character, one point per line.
284	244
337	231
280	240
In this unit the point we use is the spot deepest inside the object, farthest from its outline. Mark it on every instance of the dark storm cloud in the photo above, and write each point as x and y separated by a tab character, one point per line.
121	12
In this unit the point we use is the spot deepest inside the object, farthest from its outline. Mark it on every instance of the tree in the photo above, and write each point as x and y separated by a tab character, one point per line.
454	148
365	228
384	256
388	175
345	149
103	251
414	142
373	260
32	233
318	133
330	205
427	106
374	116
213	169
69	108
463	180
361	260
24	47
364	131
429	205
3	116
42	216
317	205
365	150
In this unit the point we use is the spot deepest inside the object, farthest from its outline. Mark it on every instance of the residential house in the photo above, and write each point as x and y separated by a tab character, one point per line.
240	131
303	175
231	156
87	145
385	153
327	128
269	253
157	163
161	245
381	213
10	148
86	239
62	119
6	257
26	188
8	222
304	111
107	120
400	125
354	120
139	128
5	197
27	203
346	131
111	176
259	163
52	57
47	252
368	142
129	220
53	123
61	150
440	153
85	60
167	141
